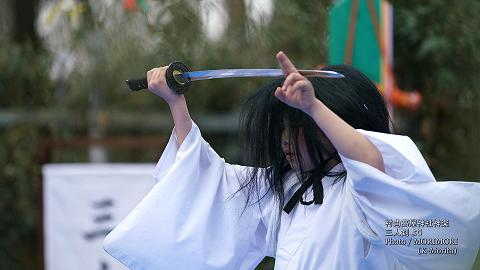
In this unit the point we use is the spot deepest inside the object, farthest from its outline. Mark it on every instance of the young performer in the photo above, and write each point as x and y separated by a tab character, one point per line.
327	187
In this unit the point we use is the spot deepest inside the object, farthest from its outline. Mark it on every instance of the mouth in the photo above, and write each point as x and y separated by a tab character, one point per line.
290	158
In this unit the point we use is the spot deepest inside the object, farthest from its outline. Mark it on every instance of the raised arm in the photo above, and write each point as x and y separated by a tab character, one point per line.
298	92
201	188
177	103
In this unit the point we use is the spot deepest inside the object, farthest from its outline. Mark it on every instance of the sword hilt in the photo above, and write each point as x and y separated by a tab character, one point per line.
173	75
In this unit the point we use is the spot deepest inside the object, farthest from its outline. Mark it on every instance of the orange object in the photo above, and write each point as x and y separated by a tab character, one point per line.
130	5
404	99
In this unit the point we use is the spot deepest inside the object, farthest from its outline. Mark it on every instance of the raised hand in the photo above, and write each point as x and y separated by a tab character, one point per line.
157	84
297	91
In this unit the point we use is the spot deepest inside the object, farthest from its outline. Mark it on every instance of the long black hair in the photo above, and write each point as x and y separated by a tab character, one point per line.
354	98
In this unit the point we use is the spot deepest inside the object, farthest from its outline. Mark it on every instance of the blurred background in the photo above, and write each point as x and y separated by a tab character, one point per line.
63	64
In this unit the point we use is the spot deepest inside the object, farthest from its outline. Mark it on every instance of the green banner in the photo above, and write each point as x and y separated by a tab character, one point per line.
353	38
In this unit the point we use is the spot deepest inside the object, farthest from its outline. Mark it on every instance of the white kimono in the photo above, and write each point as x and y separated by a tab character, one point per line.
401	219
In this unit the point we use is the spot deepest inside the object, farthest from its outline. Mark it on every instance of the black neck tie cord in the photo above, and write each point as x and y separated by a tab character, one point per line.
298	195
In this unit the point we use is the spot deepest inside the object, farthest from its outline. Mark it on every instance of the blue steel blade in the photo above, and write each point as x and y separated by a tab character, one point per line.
239	73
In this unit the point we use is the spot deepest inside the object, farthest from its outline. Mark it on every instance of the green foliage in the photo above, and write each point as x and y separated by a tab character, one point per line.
24	84
437	53
122	53
24	76
21	197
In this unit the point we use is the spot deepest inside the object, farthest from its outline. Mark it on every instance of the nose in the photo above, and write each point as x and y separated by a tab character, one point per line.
286	147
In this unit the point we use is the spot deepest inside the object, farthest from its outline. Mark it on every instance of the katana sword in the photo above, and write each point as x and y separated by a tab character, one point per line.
179	76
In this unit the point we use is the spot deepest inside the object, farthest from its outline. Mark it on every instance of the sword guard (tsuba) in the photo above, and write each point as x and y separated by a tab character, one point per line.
173	76
175	79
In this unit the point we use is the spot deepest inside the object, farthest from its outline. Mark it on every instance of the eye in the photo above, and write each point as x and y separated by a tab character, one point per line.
286	144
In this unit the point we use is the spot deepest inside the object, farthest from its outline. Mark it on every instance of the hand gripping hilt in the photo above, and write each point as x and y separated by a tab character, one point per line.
174	76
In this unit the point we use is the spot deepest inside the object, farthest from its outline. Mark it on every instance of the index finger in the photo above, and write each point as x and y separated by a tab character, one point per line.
285	63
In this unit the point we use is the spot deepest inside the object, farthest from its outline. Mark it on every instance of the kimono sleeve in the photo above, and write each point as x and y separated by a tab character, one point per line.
423	223
192	218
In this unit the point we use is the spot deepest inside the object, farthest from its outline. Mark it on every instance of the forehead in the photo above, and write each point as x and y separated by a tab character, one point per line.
287	131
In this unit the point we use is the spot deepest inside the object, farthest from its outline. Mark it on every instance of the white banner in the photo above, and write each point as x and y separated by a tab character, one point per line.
82	202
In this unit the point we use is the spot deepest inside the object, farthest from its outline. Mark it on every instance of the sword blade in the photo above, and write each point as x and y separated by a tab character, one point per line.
242	73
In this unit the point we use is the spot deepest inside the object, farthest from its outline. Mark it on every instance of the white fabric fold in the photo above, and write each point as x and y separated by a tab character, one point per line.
186	221
408	190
